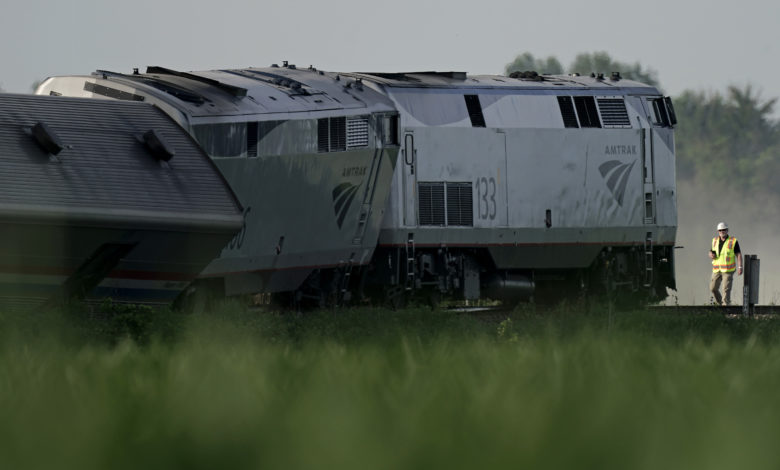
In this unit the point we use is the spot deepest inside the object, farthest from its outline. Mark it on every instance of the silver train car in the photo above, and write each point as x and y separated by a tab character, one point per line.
310	154
528	185
103	200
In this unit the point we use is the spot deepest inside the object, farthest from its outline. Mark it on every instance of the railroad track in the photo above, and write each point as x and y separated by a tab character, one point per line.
500	313
735	310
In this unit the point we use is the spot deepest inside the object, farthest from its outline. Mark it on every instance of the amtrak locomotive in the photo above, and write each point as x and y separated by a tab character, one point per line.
529	184
504	187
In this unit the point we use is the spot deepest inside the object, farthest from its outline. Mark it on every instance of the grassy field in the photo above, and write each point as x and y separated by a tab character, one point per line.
374	389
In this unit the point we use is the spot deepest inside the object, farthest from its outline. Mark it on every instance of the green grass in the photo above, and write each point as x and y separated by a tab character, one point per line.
377	389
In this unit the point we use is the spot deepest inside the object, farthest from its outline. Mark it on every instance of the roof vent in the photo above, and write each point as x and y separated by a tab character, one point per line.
600	76
527	75
46	138
157	146
285	63
274	66
615	76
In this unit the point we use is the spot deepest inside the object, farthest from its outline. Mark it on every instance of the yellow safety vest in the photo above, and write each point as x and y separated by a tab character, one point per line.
726	260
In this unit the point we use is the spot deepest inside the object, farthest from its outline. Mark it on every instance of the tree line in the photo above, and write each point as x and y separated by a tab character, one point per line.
724	139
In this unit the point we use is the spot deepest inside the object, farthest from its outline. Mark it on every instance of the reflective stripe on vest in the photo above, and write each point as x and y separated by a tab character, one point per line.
726	260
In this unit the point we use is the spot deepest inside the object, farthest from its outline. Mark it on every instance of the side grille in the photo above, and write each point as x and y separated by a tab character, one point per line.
338	134
332	134
445	204
322	135
460	208
357	133
430	198
251	139
613	112
586	111
567	111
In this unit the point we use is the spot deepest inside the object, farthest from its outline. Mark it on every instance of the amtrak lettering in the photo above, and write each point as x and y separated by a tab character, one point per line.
620	150
354	171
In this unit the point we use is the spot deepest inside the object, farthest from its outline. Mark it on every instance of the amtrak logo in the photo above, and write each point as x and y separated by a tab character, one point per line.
343	195
616	175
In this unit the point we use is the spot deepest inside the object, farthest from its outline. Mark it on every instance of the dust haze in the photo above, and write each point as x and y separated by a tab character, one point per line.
753	218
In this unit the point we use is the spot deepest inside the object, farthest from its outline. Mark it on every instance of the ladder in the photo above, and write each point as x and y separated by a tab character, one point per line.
410	263
649	259
368	197
344	294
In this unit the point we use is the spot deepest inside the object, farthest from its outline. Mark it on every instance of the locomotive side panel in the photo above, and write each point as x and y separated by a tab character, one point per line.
583	177
290	228
562	184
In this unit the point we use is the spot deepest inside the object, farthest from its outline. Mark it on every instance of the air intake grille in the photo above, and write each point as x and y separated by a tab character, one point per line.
357	133
338	134
613	112
332	134
251	139
322	135
586	111
445	204
430	197
460	208
567	111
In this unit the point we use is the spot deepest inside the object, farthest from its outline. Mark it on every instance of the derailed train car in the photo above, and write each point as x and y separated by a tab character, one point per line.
104	199
528	185
310	154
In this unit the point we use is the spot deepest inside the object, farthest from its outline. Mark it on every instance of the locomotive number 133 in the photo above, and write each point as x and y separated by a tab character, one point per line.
486	198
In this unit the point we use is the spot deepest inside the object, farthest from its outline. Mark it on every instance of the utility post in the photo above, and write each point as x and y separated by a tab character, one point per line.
751	273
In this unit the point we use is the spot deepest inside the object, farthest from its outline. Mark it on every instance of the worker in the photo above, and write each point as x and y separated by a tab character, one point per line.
726	258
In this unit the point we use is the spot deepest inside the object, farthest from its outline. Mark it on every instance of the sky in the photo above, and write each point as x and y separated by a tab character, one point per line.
690	46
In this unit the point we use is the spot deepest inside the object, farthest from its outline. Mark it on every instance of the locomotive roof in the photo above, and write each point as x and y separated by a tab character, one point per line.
612	84
87	160
252	91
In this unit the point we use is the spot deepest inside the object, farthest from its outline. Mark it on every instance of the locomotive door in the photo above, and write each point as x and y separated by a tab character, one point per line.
409	154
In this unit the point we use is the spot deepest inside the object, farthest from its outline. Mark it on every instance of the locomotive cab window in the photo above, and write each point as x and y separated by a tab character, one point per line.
662	112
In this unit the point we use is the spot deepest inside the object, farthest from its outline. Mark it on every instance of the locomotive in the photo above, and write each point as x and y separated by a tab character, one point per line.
504	187
540	185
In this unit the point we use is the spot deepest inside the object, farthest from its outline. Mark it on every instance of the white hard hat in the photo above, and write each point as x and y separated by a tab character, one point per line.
723	226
